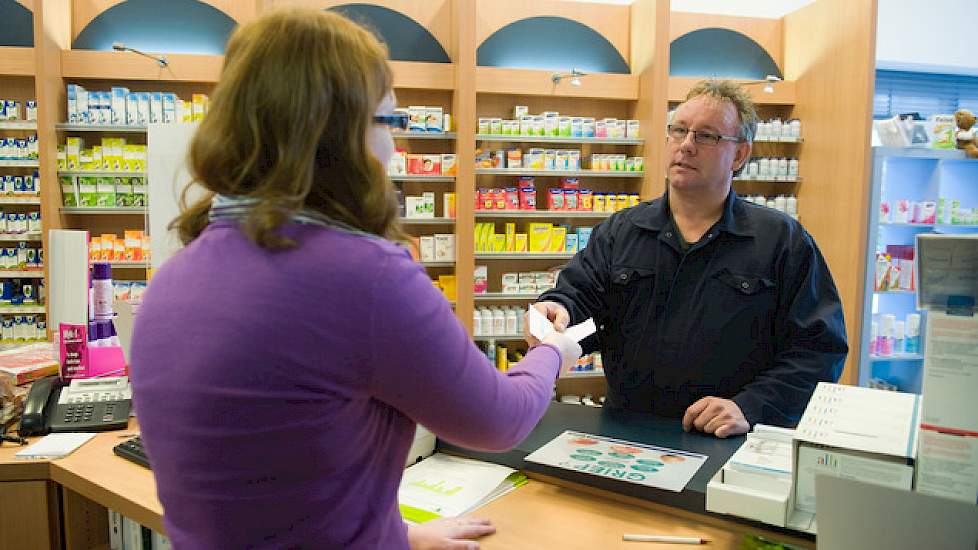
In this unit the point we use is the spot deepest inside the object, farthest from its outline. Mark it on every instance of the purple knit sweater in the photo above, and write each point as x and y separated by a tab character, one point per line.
277	393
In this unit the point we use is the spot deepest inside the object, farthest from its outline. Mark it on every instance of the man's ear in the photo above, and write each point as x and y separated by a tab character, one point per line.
743	155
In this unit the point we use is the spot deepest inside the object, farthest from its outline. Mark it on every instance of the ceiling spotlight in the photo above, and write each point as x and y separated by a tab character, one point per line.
160	60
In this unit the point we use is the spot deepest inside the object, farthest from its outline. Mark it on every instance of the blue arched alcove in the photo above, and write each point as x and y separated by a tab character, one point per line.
405	38
173	26
16	25
550	43
720	52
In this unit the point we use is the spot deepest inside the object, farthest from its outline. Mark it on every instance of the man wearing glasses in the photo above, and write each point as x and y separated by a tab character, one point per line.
710	308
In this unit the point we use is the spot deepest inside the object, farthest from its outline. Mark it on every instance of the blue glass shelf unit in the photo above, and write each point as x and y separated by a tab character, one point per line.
915	175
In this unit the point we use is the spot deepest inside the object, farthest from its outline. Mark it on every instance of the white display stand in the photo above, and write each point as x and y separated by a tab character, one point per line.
947	463
168	174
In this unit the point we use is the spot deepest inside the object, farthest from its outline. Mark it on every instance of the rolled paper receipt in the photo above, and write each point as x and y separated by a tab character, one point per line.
541	327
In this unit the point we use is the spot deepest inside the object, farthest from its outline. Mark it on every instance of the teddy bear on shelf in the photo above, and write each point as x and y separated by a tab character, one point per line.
965	135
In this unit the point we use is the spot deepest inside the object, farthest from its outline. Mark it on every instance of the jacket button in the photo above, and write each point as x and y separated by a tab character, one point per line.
669	234
709	235
745	285
623	277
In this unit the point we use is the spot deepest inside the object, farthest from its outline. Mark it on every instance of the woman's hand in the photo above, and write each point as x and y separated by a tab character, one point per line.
449	534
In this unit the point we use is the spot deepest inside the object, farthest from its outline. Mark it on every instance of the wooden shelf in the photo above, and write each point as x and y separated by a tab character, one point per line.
500	296
65	127
769	180
582	374
411	177
427	221
784	91
556	173
558	214
496	80
20	163
18	125
129	265
22	310
781	140
438	264
19	200
22	274
17	61
129	66
557	139
523	255
112	210
103	173
425	76
424	135
20	236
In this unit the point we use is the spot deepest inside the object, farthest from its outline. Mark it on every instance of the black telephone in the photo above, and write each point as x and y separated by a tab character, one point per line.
85	405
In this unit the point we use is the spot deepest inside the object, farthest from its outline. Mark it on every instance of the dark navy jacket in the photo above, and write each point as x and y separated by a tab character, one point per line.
749	313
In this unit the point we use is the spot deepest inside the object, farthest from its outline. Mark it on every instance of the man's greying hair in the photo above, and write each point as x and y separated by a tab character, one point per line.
726	90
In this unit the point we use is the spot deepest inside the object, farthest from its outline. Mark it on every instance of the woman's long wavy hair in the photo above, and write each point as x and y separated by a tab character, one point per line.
288	126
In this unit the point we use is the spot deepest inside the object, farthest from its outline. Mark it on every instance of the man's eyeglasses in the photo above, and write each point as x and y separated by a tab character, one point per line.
679	133
396	121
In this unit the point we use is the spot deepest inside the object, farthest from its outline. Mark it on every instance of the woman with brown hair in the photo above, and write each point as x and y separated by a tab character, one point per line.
281	360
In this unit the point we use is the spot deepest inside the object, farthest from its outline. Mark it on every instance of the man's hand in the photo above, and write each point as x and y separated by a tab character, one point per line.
554	312
449	534
713	415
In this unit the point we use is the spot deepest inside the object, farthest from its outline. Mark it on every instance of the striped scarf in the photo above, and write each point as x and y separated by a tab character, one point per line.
236	208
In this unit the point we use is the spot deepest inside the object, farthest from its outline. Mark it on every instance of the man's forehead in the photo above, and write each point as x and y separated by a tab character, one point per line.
706	110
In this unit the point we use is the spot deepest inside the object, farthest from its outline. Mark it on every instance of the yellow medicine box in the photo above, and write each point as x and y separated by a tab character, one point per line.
540	236
557	239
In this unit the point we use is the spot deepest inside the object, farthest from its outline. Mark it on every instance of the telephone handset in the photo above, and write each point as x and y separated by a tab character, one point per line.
85	405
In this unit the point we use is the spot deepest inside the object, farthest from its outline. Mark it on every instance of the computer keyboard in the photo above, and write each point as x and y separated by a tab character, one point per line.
133	450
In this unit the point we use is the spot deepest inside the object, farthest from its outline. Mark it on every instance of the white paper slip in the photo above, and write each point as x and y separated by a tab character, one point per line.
56	445
541	327
448	486
638	463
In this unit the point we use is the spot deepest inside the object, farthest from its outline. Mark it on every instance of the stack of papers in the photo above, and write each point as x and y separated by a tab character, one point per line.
447	486
763	462
56	445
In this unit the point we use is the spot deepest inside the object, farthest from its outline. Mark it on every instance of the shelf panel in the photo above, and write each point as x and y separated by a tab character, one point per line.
900	357
17	61
22	310
582	374
769	180
124	66
484	214
427	221
894	291
556	173
129	265
439	179
781	140
425	76
523	256
20	163
499	296
18	125
20	236
523	82
784	91
117	211
21	274
20	200
510	337
438	264
424	135
557	139
104	173
101	128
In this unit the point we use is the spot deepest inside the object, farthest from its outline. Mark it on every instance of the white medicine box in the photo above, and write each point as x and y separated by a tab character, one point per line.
444	247
427	248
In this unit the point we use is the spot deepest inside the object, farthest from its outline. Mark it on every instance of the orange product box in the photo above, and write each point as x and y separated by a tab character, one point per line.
108	247
94	248
431	165
133	246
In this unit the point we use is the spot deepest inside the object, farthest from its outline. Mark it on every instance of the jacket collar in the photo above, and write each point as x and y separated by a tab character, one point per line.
654	215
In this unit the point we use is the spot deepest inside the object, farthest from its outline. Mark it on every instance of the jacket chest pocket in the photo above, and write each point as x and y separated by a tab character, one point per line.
631	294
742	299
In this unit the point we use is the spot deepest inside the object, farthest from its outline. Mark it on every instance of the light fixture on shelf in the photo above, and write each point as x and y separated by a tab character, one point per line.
574	74
768	83
160	60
